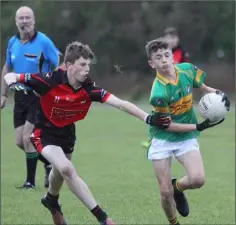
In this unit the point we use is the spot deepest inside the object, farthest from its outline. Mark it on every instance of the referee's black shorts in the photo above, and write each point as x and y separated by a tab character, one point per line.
25	108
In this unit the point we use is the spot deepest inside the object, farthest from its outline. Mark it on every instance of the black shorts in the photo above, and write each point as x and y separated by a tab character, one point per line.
61	137
25	110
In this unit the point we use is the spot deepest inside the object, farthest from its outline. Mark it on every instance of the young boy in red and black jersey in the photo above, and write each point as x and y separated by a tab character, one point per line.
66	96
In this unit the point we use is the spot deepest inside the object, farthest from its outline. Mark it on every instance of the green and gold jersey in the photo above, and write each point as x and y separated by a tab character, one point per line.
175	99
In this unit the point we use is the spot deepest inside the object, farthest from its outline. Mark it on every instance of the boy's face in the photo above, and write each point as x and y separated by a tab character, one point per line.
161	60
80	69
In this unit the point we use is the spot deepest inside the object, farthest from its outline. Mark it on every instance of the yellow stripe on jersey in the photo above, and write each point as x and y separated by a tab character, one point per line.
182	105
161	81
198	76
165	81
162	109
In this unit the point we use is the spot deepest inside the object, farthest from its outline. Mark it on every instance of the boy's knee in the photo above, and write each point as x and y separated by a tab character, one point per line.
19	140
20	144
67	171
27	144
166	191
197	181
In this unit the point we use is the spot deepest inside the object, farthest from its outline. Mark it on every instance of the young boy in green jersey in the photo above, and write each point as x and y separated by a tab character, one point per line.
171	96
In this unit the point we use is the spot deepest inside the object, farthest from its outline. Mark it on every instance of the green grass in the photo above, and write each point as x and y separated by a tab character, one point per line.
109	157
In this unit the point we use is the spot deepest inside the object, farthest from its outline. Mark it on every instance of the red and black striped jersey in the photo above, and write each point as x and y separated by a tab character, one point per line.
61	104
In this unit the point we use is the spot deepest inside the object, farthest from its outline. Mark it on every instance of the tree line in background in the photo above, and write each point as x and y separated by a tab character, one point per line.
118	31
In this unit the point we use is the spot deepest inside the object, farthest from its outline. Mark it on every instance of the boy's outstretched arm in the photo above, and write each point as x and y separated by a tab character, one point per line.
153	120
182	128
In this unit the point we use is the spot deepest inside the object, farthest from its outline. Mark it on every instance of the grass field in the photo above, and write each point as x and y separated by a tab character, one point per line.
109	157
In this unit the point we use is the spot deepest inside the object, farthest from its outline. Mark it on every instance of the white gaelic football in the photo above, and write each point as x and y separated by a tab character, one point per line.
211	107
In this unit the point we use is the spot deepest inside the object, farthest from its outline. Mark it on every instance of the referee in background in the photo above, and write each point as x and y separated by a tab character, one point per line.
29	51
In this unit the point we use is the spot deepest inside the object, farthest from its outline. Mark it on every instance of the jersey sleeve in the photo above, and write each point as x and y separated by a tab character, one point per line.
8	53
198	76
51	53
98	94
40	82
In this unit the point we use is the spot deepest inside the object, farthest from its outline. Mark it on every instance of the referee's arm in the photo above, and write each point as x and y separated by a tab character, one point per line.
4	87
51	53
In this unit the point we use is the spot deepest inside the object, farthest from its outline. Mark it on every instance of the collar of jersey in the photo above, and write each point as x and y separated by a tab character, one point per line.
66	81
65	77
165	81
32	38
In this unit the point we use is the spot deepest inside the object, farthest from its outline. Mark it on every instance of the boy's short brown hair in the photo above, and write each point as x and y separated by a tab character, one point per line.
75	50
154	45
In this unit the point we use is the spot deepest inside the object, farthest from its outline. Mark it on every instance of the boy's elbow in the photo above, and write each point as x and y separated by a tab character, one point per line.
116	102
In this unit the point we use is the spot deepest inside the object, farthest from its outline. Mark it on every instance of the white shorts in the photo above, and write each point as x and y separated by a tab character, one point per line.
162	149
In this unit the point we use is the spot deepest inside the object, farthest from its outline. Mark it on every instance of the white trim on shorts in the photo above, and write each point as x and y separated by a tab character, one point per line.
162	149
